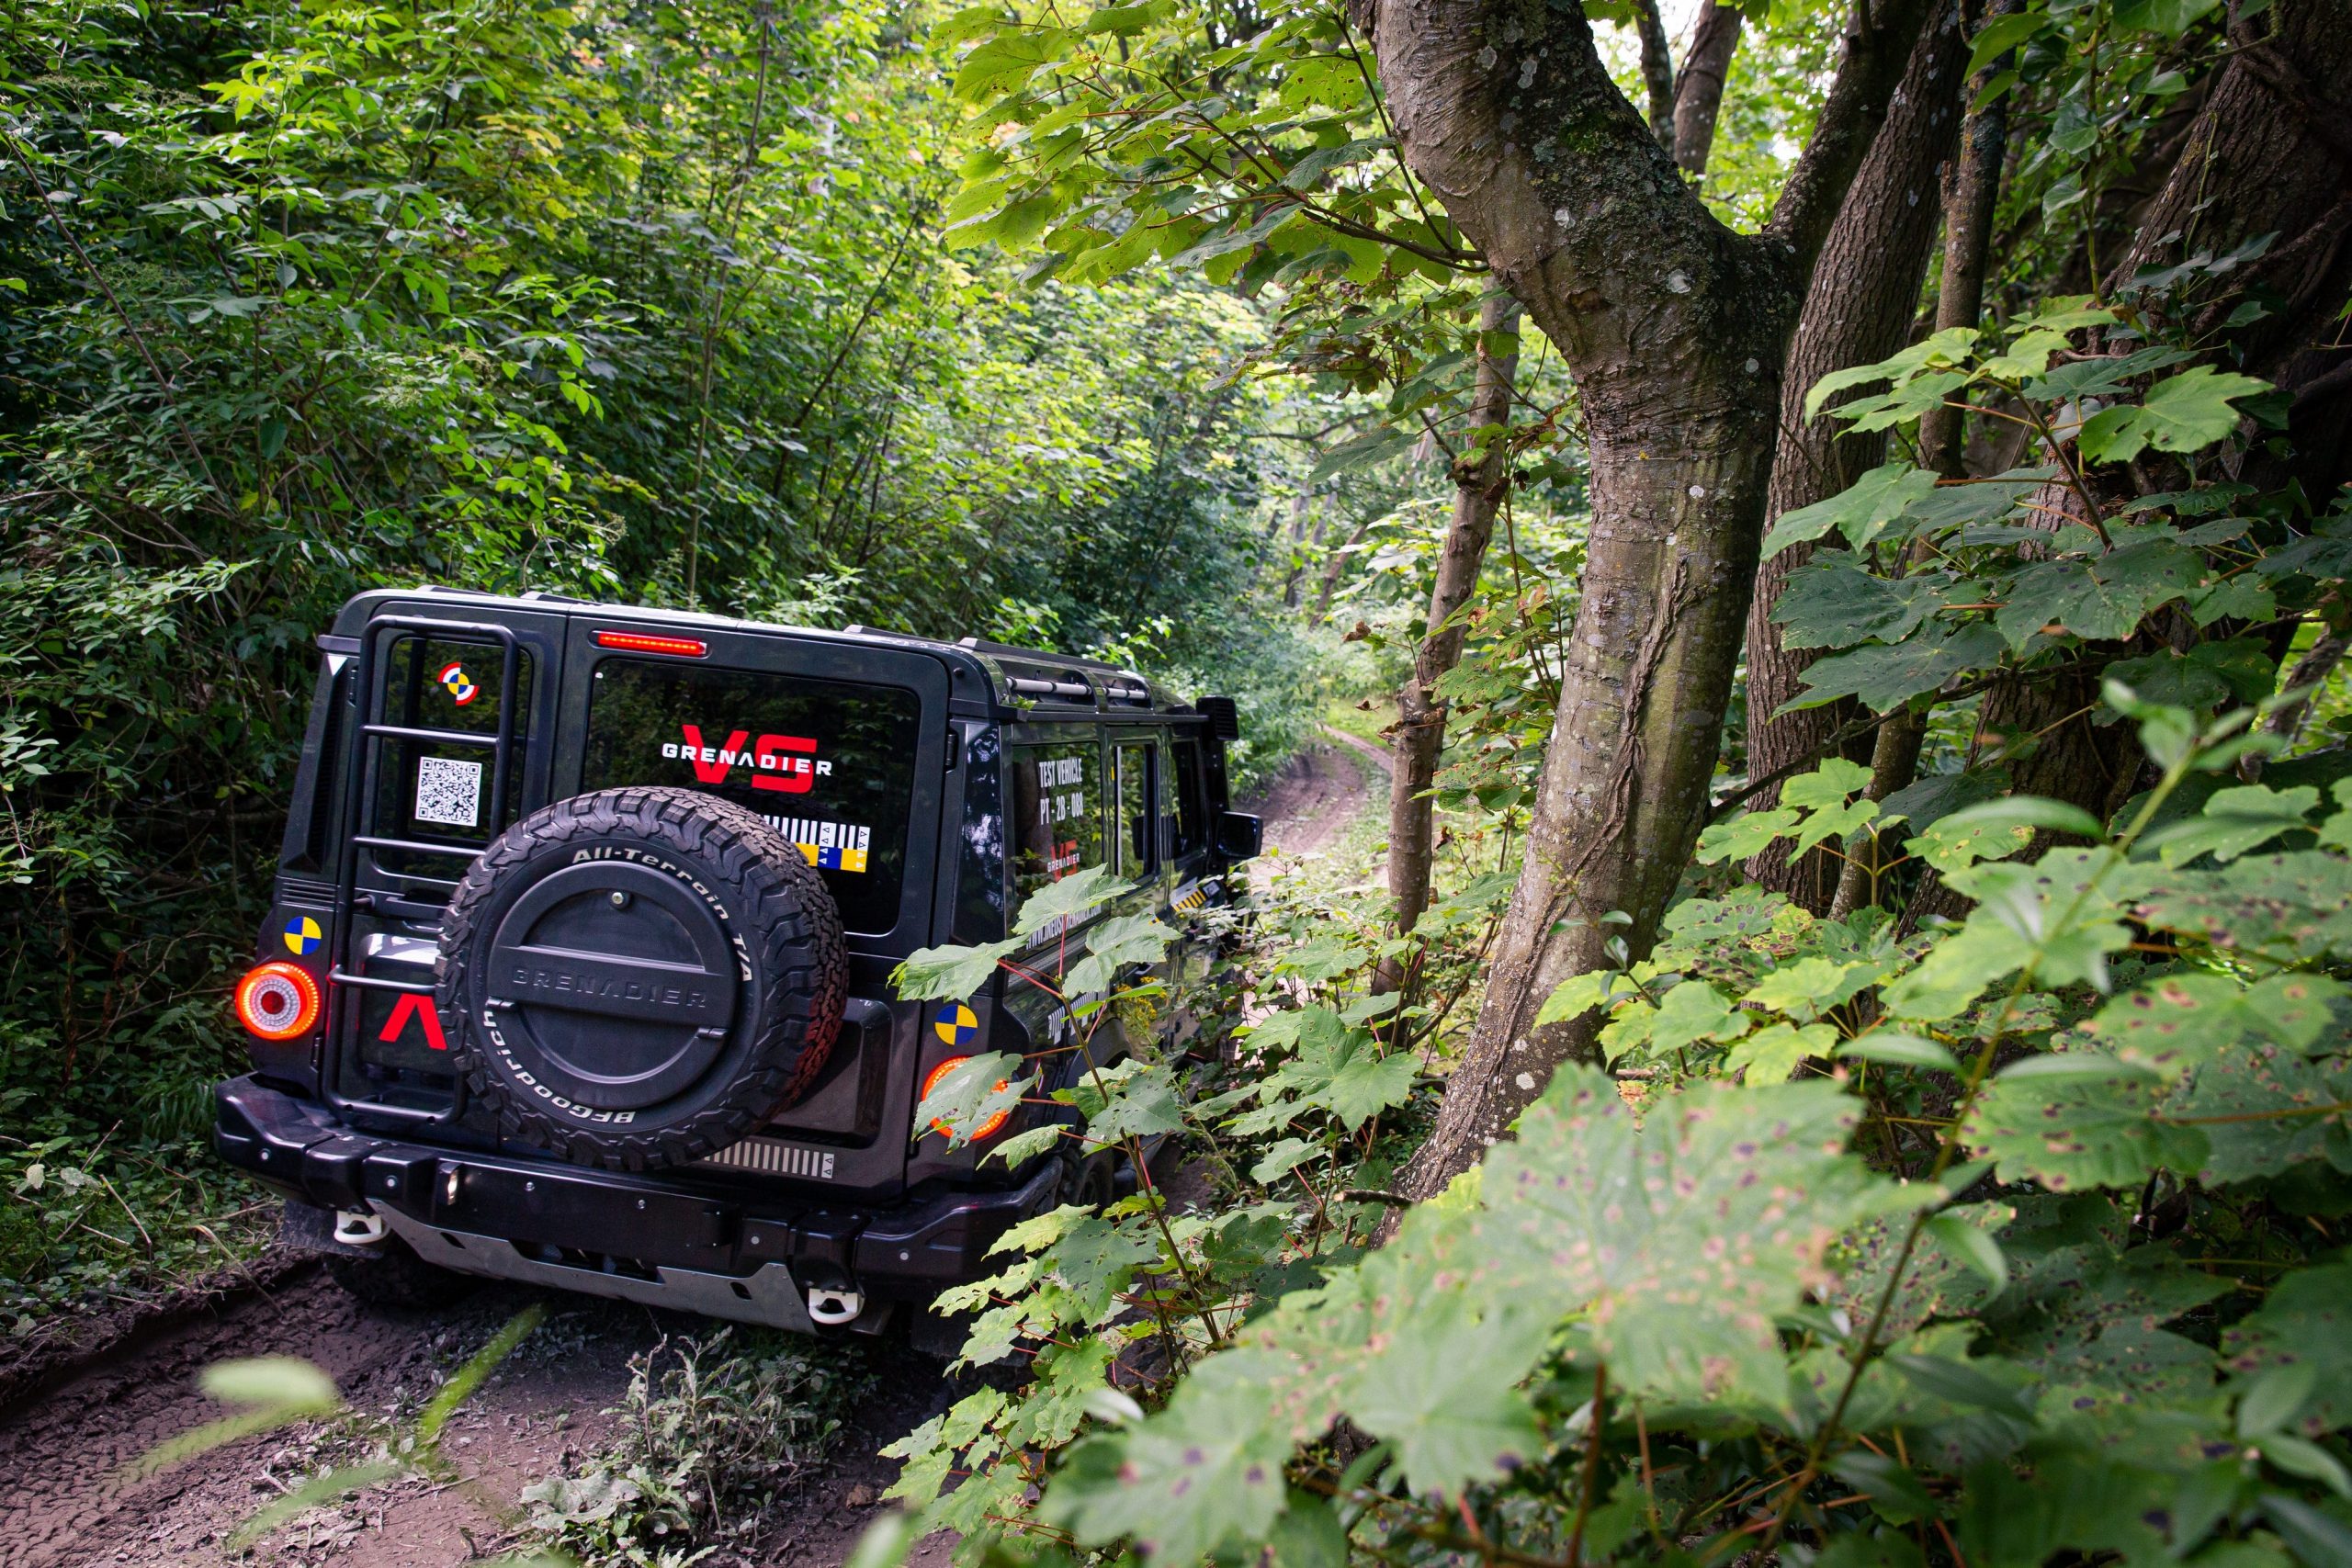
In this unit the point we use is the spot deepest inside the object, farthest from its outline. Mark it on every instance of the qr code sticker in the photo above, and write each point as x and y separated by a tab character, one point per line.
448	791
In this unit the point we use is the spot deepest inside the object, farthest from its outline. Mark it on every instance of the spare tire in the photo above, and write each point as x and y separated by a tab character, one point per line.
644	975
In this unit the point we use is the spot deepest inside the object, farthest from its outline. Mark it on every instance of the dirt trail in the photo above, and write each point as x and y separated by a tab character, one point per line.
66	1428
1312	801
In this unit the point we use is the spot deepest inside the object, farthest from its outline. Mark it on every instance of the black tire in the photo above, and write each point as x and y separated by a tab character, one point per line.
390	1275
720	947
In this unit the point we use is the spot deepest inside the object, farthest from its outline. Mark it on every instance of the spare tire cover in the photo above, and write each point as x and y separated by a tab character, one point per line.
644	977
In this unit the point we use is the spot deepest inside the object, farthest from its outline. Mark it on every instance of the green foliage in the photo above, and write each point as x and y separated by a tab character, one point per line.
2018	1259
712	1435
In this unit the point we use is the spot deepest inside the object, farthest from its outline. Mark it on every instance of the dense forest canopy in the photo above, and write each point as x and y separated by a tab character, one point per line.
1847	1062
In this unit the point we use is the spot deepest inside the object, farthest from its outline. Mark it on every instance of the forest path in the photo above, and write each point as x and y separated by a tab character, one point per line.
65	1438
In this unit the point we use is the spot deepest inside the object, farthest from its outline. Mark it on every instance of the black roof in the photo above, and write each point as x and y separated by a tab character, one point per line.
1019	679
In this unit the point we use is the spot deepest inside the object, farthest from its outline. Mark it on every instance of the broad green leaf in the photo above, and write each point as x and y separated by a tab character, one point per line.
2097	600
2168	18
1891	1049
1945	349
1881	679
972	1093
2070	1134
2263	1108
1860	512
1770	1055
1203	1475
944	973
272	1383
2206	676
1693	1011
1955	972
1825	786
1838	823
1579	993
1367	1084
1833	602
1129	1099
1113	946
1745	835
2182	414
2001	35
1019	1148
2305	1321
2283	906
2233	822
1066	902
1972	1245
2172	1024
1810	987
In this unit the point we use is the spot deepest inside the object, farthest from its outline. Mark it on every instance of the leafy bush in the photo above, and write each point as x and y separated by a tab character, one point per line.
1992	1242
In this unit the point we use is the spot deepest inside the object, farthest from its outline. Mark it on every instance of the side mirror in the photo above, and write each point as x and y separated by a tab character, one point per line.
1240	835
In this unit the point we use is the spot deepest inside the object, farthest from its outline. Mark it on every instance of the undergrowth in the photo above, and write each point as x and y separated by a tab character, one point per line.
715	1434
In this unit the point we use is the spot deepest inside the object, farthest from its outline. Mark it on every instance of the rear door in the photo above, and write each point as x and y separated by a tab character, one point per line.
452	693
842	750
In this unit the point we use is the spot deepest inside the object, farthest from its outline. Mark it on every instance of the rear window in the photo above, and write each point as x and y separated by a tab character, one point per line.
828	764
435	792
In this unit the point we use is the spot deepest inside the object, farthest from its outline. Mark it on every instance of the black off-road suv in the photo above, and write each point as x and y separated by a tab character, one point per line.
579	969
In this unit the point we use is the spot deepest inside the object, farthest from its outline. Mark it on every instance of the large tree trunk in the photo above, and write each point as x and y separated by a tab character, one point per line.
1864	296
1675	329
1699	89
1421	712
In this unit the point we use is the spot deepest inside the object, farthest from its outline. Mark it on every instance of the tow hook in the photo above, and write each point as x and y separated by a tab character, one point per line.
354	1228
831	1308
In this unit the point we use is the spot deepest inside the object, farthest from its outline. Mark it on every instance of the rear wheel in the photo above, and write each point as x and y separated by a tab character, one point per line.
390	1275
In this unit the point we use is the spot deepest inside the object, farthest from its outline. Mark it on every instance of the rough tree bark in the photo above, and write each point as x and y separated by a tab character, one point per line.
1864	296
1658	72
1420	713
1699	88
1675	329
1972	190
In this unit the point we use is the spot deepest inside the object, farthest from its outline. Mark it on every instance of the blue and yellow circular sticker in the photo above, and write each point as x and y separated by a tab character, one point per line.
955	1025
303	935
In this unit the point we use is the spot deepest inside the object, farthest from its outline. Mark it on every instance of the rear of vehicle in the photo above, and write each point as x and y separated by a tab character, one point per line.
578	971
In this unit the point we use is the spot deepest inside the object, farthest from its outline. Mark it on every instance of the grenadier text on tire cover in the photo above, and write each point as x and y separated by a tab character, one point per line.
577	970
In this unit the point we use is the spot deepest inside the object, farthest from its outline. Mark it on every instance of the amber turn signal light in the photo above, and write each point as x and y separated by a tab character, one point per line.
279	1001
939	1123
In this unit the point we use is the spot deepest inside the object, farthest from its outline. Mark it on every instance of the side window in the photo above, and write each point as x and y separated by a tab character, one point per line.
1191	829
1138	815
1057	812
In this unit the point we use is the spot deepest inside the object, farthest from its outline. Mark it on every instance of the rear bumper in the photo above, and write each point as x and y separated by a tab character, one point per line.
556	1224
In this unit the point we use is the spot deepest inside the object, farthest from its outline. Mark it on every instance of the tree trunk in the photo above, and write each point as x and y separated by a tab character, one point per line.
1421	712
1658	72
1970	192
1675	329
1864	296
1699	90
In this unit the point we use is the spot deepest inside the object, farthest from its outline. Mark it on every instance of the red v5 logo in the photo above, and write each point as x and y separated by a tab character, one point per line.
713	772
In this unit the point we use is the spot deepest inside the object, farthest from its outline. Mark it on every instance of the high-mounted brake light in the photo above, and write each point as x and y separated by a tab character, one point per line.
638	642
939	1123
279	1001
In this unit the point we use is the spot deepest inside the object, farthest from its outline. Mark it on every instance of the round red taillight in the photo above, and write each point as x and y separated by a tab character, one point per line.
279	1001
939	1123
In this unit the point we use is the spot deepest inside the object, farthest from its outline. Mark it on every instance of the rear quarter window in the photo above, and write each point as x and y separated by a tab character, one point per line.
1057	812
828	764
